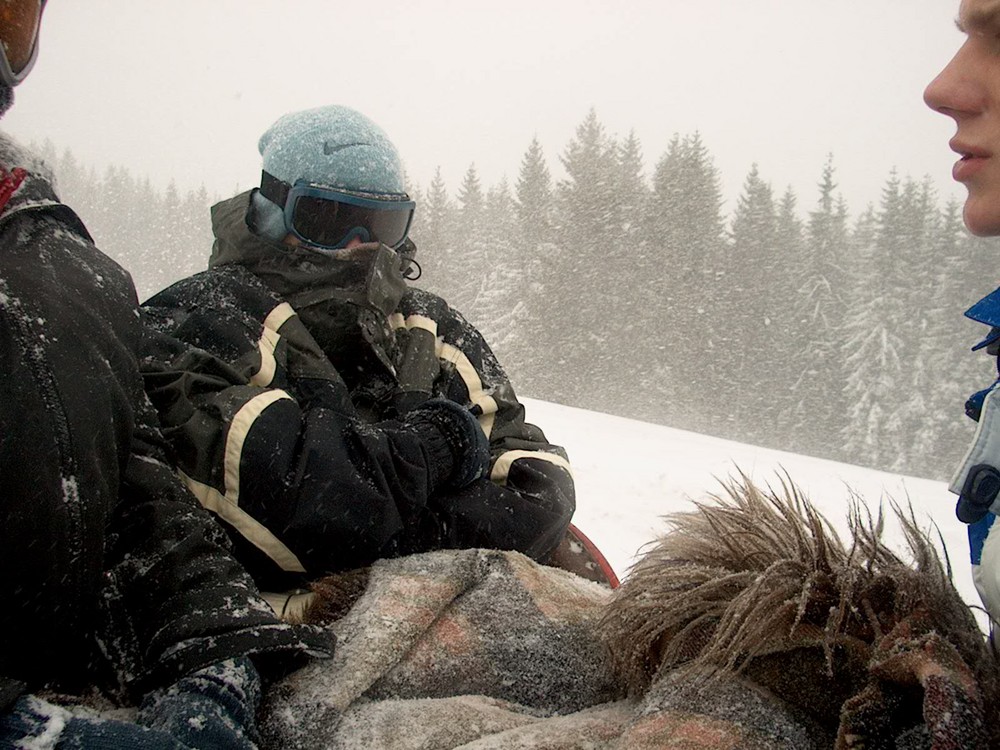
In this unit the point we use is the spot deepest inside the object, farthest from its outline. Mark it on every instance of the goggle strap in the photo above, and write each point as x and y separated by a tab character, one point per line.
274	189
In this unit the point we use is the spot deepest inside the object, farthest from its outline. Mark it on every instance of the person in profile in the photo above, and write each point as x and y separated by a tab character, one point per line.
330	413
968	91
110	571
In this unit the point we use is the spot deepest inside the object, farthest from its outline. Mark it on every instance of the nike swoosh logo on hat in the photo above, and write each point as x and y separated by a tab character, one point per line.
332	148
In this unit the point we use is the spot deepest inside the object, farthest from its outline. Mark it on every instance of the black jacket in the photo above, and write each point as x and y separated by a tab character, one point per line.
285	381
102	549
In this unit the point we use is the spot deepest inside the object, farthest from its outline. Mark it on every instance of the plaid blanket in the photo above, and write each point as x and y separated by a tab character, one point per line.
447	648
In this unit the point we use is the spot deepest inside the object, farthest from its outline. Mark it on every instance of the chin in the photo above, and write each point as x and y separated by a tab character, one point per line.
982	220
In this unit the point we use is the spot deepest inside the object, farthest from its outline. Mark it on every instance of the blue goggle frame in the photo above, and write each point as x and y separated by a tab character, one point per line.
329	218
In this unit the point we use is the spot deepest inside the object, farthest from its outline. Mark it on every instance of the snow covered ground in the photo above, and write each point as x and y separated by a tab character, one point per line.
629	474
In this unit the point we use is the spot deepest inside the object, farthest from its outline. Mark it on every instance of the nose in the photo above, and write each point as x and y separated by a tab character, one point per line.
956	90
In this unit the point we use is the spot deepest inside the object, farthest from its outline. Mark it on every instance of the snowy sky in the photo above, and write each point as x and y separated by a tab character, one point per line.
184	89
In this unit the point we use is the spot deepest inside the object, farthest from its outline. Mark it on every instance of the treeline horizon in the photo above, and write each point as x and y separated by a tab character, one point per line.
786	323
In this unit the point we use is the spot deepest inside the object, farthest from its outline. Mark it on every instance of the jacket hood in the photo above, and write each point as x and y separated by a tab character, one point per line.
234	243
34	185
369	276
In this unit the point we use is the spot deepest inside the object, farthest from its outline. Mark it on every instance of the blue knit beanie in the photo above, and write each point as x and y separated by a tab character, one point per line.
333	146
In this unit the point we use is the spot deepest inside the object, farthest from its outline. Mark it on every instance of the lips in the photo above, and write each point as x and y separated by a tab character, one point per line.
972	161
966	168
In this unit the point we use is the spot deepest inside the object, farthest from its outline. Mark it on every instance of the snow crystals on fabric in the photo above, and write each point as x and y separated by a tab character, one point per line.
48	734
334	147
453	646
71	491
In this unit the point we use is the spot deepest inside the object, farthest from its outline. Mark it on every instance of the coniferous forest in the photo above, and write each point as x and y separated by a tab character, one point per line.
623	288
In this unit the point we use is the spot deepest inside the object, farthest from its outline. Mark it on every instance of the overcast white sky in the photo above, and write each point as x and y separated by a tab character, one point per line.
183	89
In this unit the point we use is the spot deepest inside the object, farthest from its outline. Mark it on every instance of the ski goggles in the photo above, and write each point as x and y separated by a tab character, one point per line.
19	21
328	218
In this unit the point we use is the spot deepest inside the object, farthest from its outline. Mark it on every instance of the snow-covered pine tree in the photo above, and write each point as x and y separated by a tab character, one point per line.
790	249
501	310
535	238
435	238
748	318
877	385
468	261
816	415
688	276
948	369
533	198
580	303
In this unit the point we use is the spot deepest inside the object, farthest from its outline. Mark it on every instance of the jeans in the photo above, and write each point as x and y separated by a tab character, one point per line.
212	708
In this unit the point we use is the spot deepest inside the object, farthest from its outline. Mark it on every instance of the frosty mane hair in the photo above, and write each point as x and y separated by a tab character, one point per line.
756	572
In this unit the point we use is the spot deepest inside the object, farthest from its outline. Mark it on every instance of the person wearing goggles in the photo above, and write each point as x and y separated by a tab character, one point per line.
331	180
330	219
355	417
110	570
19	22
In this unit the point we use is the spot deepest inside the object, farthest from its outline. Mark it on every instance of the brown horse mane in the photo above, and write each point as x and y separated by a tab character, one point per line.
753	570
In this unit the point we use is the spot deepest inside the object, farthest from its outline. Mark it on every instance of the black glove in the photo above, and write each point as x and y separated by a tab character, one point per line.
447	422
978	493
977	482
404	402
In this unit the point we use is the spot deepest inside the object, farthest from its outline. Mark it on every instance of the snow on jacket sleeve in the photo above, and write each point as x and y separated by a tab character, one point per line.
67	321
90	517
529	498
174	599
265	433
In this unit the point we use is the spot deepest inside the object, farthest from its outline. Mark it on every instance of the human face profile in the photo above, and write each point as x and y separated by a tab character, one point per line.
968	91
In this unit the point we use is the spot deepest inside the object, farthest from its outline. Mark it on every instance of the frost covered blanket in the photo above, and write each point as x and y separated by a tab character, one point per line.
446	648
749	625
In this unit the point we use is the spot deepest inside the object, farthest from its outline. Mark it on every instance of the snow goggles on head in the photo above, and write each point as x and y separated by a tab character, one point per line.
19	21
329	218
